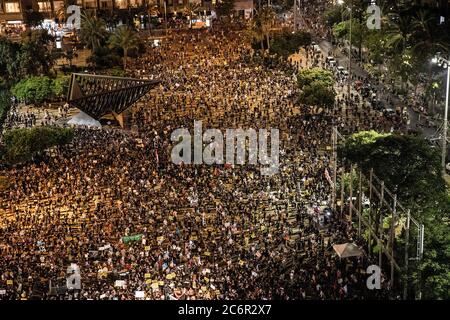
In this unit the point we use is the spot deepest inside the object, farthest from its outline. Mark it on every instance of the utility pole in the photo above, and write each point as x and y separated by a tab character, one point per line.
444	139
295	15
405	288
334	138
350	51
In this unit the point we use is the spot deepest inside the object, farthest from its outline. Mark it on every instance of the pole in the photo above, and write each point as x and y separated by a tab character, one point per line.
370	211
394	212
350	51
165	15
295	15
420	259
380	251
342	190
444	139
405	287
334	138
351	193
359	203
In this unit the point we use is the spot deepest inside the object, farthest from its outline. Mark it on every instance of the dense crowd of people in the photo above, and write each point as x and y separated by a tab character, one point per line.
137	225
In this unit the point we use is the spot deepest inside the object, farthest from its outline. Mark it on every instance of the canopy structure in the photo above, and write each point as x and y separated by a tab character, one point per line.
347	250
98	95
82	119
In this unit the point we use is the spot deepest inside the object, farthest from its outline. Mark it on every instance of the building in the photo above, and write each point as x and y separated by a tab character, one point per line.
12	11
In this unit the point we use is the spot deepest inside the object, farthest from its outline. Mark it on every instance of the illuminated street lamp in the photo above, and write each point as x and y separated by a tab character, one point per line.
444	63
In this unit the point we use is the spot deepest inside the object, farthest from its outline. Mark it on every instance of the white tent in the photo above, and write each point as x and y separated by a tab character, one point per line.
82	119
347	250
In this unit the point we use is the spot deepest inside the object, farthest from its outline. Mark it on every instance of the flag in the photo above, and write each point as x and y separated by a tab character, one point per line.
327	176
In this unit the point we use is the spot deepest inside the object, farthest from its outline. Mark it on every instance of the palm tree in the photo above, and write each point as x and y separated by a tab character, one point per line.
126	38
263	22
153	11
190	9
93	30
427	40
398	32
256	33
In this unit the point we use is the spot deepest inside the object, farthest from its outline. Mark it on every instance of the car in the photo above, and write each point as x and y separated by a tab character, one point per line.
389	112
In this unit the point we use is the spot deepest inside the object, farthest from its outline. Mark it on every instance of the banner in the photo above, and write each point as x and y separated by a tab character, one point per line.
136	237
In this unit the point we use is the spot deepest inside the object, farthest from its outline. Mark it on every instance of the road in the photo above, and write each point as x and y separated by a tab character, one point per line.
387	97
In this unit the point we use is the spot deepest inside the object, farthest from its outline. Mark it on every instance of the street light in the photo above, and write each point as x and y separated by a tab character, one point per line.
444	63
341	2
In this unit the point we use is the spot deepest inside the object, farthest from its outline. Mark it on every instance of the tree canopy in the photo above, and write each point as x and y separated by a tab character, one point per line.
407	163
288	43
39	89
23	144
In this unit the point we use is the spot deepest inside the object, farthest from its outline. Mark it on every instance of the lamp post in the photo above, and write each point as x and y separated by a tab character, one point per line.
341	2
442	62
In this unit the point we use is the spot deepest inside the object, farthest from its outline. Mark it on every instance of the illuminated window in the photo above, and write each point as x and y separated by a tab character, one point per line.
44	7
12	7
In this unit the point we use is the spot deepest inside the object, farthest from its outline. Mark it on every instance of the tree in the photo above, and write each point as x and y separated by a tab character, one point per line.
23	144
8	61
288	43
39	89
411	168
93	31
333	16
104	57
317	94
262	24
33	18
225	8
126	39
307	76
36	56
191	9
407	163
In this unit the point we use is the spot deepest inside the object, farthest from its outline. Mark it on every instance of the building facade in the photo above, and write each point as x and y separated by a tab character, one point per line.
12	11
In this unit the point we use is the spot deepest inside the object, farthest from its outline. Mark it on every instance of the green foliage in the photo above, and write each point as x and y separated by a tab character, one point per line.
39	89
288	43
317	87
104	57
60	86
8	63
22	144
93	31
318	94
407	163
332	16
126	39
33	56
5	100
307	76
37	55
435	266
341	29
411	167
